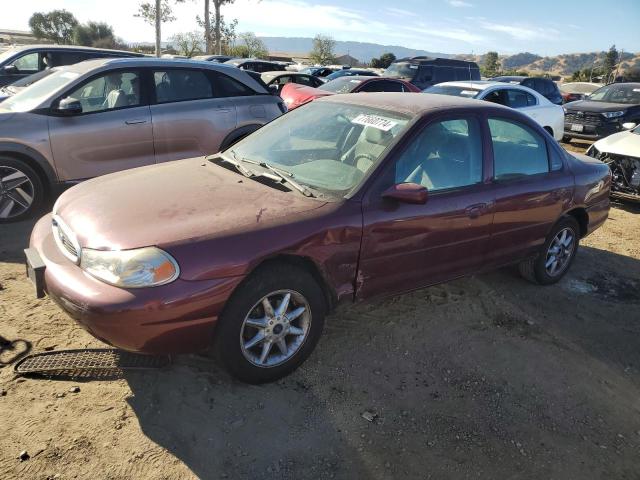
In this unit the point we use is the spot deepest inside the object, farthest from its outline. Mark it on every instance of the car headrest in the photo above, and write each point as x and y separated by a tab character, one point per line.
377	136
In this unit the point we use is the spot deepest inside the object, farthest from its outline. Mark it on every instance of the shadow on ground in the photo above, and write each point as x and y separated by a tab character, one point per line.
484	377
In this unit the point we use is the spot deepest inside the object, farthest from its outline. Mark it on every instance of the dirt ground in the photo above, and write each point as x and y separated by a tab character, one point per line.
485	377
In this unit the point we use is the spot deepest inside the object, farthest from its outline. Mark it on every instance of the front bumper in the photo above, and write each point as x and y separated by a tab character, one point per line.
592	131
179	317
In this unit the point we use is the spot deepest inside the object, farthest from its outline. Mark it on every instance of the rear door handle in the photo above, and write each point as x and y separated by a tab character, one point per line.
135	121
474	211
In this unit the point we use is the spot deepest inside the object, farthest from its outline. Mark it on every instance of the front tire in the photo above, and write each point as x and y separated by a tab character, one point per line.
556	255
270	325
21	190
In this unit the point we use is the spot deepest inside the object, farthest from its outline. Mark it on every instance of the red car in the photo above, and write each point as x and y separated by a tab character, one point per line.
350	198
296	95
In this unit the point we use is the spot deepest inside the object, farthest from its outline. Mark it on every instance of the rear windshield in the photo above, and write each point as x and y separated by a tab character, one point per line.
341	85
455	91
401	70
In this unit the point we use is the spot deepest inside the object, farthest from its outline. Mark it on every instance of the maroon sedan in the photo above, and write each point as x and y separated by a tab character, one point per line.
296	95
349	198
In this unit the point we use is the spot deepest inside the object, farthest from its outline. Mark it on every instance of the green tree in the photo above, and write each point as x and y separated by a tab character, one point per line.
227	36
188	43
610	60
322	52
57	26
384	61
147	11
93	33
251	47
491	65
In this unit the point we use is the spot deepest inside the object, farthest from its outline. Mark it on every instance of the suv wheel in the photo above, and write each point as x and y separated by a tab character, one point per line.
556	255
21	190
271	324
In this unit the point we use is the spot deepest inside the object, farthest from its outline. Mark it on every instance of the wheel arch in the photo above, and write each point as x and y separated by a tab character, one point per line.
238	134
304	263
34	159
582	217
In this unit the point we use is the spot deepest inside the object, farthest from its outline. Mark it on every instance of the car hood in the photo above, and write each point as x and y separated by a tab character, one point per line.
171	203
597	107
623	143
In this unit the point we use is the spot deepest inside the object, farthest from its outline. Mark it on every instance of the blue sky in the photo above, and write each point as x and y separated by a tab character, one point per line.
545	27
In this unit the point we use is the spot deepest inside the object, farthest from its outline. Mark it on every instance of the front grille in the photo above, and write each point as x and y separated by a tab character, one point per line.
65	239
586	118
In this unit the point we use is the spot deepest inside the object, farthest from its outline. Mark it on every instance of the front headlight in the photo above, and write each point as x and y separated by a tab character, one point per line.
142	267
613	114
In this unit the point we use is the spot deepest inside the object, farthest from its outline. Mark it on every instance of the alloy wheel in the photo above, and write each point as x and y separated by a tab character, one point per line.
275	328
16	192
559	252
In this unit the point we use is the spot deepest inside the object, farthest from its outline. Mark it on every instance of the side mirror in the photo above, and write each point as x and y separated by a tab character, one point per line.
10	69
274	89
628	125
69	106
407	193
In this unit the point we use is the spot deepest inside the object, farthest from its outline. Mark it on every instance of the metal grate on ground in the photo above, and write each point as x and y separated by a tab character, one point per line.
88	363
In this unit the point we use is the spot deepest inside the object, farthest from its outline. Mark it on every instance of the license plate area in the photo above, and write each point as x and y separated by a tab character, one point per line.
35	270
577	127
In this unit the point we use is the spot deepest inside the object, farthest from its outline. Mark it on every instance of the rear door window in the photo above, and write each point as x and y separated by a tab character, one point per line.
225	86
382	86
67	58
519	98
179	85
517	150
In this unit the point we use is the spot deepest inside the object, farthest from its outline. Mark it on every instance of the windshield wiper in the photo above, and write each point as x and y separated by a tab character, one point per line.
243	170
284	175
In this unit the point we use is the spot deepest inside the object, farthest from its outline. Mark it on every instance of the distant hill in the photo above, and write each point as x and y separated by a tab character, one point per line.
360	50
563	65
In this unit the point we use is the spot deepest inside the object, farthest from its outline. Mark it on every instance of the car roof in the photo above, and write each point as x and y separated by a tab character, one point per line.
282	73
71	47
87	65
410	104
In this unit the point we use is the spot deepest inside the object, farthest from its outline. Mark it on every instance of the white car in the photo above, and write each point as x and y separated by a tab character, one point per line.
621	151
528	101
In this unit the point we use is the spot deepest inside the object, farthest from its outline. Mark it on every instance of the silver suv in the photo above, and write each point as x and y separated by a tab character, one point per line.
103	116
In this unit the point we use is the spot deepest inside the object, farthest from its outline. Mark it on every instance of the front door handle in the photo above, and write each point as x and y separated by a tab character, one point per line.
474	211
135	121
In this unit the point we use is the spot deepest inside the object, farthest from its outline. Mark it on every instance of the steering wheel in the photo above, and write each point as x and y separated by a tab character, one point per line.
366	156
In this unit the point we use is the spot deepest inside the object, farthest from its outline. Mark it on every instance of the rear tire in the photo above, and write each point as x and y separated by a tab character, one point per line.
258	344
556	255
21	190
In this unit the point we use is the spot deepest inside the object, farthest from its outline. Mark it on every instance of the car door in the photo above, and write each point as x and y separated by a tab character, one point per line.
531	189
112	133
189	116
407	246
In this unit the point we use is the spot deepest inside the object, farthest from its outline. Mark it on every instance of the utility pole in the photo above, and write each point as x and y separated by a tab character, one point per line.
158	21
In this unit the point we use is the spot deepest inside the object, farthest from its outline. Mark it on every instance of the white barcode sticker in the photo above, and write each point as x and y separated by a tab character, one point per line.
374	121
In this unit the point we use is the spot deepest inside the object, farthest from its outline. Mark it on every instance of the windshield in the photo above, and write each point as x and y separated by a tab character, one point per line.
28	80
327	146
454	91
340	85
401	70
617	93
36	93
